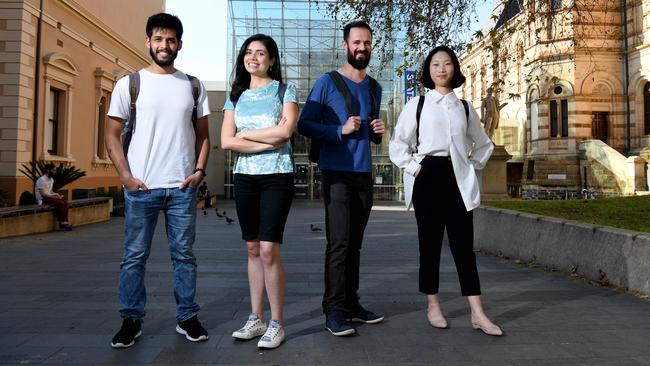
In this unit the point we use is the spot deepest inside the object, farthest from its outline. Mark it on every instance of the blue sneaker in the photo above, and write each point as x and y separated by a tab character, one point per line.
337	325
359	314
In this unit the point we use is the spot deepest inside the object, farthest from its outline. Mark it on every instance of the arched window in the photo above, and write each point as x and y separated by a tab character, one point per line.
646	109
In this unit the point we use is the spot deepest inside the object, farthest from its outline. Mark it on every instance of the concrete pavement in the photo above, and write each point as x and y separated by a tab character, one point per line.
59	303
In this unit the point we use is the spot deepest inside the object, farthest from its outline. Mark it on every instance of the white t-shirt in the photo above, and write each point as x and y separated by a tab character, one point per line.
45	183
162	149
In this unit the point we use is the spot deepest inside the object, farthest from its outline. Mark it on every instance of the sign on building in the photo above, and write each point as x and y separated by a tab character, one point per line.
409	85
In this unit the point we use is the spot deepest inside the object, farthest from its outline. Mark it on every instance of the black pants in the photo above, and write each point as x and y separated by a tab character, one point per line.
439	205
348	200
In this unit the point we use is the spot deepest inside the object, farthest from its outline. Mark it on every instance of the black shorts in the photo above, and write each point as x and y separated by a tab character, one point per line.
263	202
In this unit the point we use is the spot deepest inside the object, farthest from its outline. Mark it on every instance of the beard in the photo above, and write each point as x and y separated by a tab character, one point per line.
169	62
356	63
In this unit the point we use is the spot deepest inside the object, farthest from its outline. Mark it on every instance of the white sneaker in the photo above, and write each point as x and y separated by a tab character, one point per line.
254	327
273	337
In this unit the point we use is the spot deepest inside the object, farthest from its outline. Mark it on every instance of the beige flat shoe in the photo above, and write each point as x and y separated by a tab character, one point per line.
492	330
437	322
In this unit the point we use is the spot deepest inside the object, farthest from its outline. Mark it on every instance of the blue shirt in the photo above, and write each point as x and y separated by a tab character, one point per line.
261	108
323	117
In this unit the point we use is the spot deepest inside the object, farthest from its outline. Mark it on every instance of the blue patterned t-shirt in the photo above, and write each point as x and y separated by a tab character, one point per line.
261	108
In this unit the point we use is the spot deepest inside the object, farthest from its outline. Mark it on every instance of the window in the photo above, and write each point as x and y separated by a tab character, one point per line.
53	120
101	124
559	118
646	108
59	75
556	4
104	83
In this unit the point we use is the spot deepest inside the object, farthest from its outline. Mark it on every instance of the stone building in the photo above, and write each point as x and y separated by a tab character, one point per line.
577	118
59	61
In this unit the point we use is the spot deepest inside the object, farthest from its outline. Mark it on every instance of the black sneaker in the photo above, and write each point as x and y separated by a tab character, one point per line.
192	329
359	314
125	338
337	325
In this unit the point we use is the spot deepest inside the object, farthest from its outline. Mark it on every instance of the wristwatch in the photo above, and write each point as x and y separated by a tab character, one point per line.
200	170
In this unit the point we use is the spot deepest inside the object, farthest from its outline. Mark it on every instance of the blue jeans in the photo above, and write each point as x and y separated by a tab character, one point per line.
141	211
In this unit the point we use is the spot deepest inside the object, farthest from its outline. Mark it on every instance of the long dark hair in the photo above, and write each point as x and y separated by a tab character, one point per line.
242	78
457	80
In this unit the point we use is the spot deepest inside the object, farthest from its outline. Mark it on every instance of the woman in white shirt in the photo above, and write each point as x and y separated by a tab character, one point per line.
439	156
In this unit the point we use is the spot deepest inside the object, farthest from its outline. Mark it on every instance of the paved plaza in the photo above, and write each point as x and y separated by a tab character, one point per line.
59	303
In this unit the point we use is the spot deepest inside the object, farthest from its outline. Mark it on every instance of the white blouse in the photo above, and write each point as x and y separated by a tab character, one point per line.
444	131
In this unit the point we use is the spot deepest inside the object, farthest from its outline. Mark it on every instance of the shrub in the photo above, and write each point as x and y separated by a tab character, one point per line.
62	176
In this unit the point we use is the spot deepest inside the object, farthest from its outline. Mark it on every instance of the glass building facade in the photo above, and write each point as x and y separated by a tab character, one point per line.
310	43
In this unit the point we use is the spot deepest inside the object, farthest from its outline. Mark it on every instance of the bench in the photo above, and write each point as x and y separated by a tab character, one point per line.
31	219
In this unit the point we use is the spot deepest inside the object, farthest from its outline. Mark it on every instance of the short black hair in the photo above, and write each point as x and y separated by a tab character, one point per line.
165	21
457	80
355	24
49	166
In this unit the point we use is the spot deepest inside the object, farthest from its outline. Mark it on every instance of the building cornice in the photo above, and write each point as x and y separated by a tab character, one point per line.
95	23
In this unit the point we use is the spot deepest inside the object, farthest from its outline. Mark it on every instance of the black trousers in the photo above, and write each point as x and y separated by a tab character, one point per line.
348	201
439	205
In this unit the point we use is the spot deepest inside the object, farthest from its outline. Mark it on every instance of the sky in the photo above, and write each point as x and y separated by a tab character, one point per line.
205	33
204	37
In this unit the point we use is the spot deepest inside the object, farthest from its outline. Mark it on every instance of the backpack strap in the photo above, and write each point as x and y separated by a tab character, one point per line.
282	89
196	92
343	89
374	86
417	119
129	125
466	106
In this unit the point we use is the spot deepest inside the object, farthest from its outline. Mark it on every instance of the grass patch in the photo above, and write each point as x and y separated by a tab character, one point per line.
632	213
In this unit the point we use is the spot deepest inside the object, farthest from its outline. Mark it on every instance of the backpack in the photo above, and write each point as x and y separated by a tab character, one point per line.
419	112
314	148
26	198
134	90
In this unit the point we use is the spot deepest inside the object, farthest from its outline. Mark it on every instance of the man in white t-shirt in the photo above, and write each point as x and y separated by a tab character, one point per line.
45	194
165	164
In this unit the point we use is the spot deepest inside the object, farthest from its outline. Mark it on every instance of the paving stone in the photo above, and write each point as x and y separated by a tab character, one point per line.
60	306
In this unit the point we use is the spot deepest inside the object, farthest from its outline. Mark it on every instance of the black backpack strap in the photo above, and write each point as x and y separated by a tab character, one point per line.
417	119
196	92
466	106
282	89
129	125
374	87
375	108
343	89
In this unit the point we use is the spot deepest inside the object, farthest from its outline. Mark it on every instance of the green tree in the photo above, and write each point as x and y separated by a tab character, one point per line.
411	27
414	27
62	175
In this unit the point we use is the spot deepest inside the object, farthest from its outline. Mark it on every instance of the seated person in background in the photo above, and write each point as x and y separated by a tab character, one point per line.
204	194
45	195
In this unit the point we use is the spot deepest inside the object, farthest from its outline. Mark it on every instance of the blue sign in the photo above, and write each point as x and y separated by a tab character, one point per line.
409	85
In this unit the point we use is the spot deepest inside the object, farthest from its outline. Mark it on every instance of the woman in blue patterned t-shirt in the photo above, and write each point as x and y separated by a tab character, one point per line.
258	125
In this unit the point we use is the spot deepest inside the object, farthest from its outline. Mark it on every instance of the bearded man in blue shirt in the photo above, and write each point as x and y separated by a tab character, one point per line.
341	128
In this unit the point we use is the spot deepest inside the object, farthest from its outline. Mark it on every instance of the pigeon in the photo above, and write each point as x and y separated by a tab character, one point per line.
229	220
219	215
314	228
205	213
